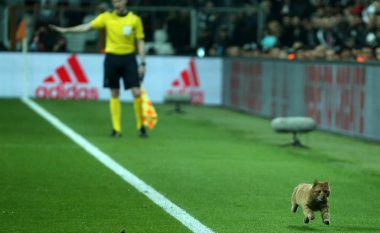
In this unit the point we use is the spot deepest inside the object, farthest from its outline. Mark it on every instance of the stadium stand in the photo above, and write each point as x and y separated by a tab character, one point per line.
313	29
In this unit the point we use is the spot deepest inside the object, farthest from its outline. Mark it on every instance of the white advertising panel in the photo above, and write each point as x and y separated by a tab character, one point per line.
80	76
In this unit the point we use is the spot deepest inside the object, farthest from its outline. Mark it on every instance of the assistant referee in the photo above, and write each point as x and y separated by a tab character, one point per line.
124	30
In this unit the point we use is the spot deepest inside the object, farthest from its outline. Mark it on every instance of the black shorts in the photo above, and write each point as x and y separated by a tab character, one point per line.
121	66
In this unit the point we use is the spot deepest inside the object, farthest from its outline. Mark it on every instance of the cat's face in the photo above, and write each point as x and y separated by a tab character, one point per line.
320	191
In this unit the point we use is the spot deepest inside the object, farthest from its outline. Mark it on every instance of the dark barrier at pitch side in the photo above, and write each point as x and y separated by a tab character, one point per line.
341	97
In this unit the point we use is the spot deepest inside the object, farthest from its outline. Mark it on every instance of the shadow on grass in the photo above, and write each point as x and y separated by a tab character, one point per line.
300	146
304	228
357	229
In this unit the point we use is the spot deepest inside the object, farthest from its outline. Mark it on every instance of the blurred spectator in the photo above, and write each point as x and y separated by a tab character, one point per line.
271	36
208	21
160	45
300	8
331	55
294	31
370	12
354	32
377	54
319	52
367	53
46	40
2	46
325	34
73	16
310	38
346	54
245	26
178	29
287	27
222	42
269	10
47	12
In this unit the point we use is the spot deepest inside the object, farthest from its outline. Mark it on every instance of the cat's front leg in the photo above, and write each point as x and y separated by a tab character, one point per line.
325	215
294	207
308	213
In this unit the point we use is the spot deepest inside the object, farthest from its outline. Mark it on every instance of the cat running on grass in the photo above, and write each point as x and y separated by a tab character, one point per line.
312	197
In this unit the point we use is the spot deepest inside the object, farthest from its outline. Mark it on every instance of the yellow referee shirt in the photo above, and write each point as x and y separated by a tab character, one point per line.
121	31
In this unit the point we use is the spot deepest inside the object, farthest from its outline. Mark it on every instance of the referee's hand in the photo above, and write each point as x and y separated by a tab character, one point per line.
141	71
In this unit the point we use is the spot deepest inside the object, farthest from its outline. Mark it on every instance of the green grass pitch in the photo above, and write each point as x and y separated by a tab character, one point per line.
226	169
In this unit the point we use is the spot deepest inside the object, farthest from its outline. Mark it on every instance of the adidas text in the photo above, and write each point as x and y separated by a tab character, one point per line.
66	92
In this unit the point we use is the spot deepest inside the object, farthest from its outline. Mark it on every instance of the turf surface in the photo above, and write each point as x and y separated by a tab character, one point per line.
225	168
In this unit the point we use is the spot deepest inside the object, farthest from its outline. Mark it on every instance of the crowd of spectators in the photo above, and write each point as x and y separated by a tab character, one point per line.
330	30
297	29
287	29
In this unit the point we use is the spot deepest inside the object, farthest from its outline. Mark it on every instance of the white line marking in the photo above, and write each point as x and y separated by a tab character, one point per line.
181	215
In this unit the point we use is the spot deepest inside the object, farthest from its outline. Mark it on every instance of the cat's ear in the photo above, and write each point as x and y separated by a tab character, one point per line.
315	182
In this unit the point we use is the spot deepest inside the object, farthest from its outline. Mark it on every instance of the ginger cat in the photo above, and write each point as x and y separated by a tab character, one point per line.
312	197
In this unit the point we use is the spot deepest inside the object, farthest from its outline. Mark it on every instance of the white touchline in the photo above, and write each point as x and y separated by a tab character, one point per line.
181	215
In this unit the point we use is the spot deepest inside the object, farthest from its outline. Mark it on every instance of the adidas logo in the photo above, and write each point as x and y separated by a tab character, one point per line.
188	83
67	83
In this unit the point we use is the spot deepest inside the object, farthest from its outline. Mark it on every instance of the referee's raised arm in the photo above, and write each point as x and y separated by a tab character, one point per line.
79	28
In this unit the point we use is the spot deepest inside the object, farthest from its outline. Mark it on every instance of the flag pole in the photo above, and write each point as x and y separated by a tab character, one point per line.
22	37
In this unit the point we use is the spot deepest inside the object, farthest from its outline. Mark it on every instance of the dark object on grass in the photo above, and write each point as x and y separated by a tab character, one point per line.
294	125
115	134
143	132
178	99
